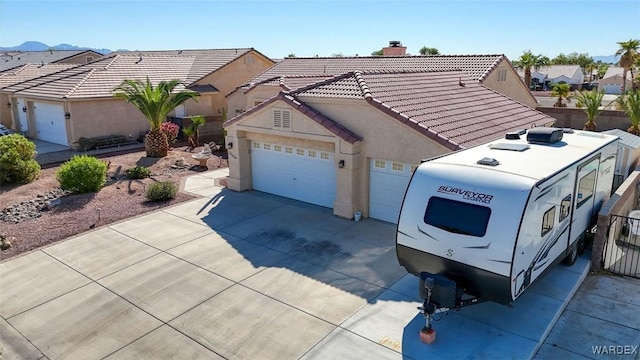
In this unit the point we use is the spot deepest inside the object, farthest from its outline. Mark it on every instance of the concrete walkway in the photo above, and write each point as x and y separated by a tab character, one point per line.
255	276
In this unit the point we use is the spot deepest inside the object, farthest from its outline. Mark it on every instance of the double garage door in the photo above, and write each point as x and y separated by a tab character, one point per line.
50	123
303	174
388	182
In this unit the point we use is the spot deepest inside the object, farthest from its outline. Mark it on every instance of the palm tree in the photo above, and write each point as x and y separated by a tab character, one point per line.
590	102
528	61
630	103
155	103
628	52
562	91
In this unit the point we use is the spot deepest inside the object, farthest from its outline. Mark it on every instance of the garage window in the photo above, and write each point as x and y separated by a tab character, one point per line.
312	153
300	152
380	164
397	166
324	155
277	148
288	150
256	145
266	146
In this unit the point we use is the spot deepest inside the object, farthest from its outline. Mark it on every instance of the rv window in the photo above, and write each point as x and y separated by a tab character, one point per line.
548	221
585	187
457	217
565	206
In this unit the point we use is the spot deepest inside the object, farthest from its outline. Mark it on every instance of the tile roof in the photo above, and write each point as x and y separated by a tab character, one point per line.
12	59
28	72
331	125
287	83
206	60
446	106
613	71
555	71
476	66
99	78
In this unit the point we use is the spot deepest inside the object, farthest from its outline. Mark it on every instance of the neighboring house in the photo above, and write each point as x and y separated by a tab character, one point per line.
548	76
611	82
12	59
492	71
78	102
351	142
17	75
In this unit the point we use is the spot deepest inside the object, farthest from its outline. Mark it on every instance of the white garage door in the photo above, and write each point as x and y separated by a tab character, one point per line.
50	123
612	88
388	181
303	174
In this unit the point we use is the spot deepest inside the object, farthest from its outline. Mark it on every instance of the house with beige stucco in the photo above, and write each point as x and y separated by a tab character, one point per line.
611	82
350	142
17	75
78	102
493	71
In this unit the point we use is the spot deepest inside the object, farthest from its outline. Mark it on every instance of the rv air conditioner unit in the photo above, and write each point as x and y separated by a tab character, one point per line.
544	135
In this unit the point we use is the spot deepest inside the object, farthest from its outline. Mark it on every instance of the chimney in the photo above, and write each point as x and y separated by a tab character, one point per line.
395	48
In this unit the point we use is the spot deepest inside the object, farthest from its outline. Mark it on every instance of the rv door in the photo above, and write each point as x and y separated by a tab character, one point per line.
586	179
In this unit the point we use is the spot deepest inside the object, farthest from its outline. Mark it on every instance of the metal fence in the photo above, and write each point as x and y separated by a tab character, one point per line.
622	248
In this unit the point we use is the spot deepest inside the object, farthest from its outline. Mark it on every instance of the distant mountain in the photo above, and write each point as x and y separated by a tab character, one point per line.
38	46
611	59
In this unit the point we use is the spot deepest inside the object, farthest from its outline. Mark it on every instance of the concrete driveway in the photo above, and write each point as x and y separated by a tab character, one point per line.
248	276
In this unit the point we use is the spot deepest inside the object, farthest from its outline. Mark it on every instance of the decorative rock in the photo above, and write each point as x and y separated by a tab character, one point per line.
4	242
32	209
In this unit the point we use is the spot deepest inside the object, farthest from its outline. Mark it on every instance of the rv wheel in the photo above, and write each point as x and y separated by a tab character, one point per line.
581	246
573	255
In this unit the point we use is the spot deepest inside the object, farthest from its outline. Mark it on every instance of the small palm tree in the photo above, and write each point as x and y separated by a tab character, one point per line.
191	131
628	52
562	91
590	102
155	103
630	103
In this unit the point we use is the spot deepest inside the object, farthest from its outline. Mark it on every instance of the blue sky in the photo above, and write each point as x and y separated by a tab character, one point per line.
314	27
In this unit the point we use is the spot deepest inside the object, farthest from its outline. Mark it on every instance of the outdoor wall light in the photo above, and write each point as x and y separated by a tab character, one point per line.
24	109
9	104
230	145
67	116
341	164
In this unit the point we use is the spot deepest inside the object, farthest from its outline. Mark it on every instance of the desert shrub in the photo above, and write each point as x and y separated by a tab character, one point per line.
138	172
82	174
171	130
162	190
17	164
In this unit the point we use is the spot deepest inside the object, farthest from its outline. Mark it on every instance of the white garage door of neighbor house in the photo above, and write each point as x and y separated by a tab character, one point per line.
297	173
612	88
50	123
388	181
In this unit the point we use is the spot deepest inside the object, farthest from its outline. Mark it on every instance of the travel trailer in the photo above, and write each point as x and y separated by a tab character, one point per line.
483	224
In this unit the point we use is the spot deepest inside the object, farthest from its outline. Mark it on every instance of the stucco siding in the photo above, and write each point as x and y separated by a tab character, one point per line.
6	117
105	117
511	86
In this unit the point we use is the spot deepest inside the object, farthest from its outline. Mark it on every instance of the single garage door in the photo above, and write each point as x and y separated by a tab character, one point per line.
612	88
50	123
388	181
303	174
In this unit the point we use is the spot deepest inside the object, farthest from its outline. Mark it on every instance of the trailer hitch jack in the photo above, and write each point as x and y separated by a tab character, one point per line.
428	334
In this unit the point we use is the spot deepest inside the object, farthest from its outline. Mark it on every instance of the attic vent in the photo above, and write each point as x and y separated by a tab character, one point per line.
514	135
281	119
544	135
488	161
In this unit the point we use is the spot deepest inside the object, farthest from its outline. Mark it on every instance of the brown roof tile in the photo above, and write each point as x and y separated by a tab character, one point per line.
477	67
446	106
28	72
